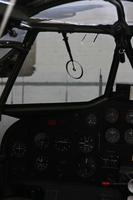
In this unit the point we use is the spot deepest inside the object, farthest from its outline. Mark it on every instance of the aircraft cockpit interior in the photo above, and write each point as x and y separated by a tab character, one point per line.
66	100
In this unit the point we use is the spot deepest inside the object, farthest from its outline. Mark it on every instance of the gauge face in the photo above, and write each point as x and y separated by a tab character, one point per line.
19	167
111	115
41	163
62	143
19	149
112	135
125	178
91	120
42	140
129	117
86	143
128	135
85	167
62	164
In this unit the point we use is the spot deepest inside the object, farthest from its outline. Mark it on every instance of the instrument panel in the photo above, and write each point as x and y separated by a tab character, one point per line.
53	152
91	146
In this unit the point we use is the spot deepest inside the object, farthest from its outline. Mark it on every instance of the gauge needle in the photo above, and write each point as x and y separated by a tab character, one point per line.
63	142
40	159
81	142
86	161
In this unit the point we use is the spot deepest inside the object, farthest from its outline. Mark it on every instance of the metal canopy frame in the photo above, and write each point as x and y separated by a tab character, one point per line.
121	31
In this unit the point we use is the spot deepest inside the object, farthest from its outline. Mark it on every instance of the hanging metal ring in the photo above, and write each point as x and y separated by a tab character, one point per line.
73	66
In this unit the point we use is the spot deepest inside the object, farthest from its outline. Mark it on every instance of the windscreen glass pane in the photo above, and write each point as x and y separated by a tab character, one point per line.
128	8
55	79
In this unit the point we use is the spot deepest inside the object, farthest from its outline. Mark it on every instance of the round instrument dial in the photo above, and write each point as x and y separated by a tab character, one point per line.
91	120
130	186
41	163
19	167
128	135
125	179
41	140
112	135
86	143
111	115
62	143
85	167
129	117
62	164
19	149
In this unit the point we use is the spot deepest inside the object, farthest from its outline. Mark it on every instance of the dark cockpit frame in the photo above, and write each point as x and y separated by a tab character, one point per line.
67	151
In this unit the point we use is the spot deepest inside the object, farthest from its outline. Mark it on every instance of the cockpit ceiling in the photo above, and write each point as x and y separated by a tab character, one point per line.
28	8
